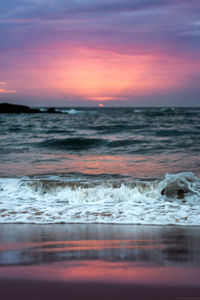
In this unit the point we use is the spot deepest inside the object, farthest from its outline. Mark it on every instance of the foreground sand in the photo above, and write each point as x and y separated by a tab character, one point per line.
99	262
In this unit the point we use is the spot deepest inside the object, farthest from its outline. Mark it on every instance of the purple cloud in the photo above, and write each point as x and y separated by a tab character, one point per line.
29	29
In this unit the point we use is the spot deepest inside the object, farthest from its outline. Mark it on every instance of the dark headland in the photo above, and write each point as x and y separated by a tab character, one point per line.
7	108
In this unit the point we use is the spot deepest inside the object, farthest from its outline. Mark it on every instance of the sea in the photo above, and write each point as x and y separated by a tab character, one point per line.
101	165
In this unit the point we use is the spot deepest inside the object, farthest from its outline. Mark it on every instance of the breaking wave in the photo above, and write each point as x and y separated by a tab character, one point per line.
71	111
174	200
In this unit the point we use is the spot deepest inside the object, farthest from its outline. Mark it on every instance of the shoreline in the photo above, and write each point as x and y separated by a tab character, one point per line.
101	223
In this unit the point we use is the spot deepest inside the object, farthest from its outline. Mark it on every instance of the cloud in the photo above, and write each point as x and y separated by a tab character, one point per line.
38	39
45	9
5	91
120	25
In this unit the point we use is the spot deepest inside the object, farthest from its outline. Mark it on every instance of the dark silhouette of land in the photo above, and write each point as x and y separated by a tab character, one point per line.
7	108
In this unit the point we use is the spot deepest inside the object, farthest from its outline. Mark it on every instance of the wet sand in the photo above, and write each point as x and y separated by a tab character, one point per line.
93	261
43	290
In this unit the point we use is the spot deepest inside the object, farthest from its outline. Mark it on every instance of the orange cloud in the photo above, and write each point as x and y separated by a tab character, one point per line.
104	98
5	91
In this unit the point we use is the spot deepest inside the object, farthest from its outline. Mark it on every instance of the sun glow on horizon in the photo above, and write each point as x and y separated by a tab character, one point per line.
92	73
99	75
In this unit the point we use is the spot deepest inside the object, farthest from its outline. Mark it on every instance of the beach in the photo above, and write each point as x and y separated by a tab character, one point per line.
99	261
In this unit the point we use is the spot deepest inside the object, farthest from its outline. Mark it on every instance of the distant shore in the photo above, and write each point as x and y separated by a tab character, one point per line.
7	108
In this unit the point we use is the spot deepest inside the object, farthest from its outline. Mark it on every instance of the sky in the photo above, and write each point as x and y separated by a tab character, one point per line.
91	52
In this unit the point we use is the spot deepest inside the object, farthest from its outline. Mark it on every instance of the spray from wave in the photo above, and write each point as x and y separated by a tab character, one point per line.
173	200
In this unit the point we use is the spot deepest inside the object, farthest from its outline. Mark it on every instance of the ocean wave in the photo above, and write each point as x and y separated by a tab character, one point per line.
76	143
79	143
173	132
107	129
174	200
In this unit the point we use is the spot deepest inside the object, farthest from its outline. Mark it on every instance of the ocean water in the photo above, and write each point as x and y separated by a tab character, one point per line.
101	165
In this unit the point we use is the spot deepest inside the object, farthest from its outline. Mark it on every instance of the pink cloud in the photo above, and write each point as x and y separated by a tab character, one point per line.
4	90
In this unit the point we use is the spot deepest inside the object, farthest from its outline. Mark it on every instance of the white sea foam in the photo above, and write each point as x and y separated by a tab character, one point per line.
63	110
167	109
69	111
137	110
174	200
43	109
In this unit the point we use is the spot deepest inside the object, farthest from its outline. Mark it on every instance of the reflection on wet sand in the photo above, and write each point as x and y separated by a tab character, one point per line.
106	271
162	246
101	262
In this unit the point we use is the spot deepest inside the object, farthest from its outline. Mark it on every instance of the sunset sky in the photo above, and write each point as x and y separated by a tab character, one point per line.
87	52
